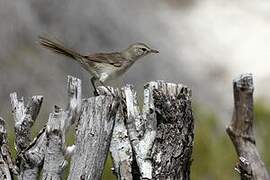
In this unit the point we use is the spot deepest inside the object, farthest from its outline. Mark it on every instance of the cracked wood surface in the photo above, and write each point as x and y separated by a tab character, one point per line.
161	136
54	157
120	146
7	166
93	136
24	117
47	149
58	124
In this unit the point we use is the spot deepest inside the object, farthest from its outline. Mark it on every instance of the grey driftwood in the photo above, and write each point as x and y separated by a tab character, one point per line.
241	131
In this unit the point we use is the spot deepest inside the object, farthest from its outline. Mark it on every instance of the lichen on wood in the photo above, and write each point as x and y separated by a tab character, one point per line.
161	135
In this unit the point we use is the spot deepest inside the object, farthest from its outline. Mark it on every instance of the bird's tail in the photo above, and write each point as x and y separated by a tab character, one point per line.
59	48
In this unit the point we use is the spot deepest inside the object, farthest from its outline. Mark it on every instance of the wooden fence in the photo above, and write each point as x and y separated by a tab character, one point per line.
153	143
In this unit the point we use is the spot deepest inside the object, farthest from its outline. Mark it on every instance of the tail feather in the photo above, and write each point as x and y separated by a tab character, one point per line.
59	48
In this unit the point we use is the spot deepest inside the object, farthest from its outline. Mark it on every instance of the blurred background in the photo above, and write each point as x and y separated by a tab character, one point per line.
203	44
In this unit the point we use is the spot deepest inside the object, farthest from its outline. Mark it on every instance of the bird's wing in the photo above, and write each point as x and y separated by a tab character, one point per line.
114	59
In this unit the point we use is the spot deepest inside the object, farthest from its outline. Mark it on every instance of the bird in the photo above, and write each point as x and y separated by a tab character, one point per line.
103	67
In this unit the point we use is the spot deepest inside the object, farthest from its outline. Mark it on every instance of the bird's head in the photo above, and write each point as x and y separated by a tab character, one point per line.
138	50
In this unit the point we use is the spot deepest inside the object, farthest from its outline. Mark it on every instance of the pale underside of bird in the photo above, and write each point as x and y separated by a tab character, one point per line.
102	66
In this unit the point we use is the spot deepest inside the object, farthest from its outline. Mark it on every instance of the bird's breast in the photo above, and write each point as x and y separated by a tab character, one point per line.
111	72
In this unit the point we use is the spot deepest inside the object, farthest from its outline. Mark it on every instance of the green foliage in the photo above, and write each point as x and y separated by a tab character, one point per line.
262	130
213	153
214	156
107	173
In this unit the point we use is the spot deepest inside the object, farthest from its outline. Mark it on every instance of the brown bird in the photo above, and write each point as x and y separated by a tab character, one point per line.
102	66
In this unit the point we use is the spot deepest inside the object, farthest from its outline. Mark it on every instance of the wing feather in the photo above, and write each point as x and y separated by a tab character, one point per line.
115	59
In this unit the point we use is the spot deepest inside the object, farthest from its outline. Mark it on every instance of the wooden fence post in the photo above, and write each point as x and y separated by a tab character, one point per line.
93	136
160	138
241	131
24	117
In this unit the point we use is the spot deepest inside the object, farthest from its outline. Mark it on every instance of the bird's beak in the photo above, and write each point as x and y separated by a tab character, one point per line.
154	51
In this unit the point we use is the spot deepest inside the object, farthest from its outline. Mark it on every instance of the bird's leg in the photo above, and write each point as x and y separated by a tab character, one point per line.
121	99
93	80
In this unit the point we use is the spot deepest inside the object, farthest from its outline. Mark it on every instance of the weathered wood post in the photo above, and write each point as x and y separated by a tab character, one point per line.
157	142
24	118
153	144
58	124
47	150
93	137
241	131
7	166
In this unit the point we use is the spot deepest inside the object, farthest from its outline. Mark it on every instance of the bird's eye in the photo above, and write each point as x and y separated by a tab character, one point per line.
144	49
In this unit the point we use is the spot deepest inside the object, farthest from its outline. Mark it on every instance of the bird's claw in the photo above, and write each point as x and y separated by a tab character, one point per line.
96	93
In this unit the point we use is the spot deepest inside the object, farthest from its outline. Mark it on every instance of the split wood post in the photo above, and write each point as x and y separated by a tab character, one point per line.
58	124
241	131
93	137
24	117
157	143
47	149
7	166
